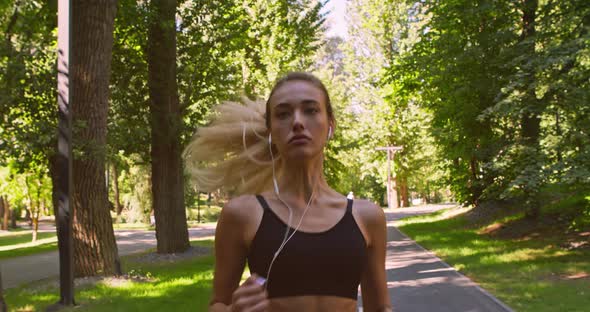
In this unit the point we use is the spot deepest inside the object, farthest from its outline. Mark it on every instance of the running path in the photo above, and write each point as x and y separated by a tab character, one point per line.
20	270
418	281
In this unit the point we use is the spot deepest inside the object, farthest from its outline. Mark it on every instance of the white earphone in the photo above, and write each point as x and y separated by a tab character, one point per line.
330	132
287	237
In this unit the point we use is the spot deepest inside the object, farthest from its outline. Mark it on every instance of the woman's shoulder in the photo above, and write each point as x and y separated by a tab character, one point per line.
369	209
241	207
242	215
369	212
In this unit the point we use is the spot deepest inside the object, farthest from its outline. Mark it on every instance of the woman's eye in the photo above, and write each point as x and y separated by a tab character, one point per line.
283	115
312	110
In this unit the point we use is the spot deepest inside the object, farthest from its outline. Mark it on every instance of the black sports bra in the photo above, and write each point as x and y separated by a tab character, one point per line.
328	263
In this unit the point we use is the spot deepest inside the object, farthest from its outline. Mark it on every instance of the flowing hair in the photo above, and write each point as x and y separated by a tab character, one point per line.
233	151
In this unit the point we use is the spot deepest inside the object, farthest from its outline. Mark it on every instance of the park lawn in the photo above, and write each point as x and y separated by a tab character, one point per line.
180	286
133	226
19	244
528	274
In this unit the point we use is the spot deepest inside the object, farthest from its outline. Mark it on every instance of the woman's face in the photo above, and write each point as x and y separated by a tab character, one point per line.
299	121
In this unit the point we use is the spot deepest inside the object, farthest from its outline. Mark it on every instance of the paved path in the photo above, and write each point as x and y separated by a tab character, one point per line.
418	280
20	270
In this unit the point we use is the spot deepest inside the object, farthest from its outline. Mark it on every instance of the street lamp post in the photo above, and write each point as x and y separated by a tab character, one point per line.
391	192
64	155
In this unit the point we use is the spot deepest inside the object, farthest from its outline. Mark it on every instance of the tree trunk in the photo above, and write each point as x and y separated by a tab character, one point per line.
530	121
403	192
5	213
118	206
28	215
199	207
13	215
95	251
35	226
166	122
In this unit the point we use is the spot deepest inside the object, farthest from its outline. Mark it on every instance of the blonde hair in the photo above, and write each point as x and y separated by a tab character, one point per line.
232	152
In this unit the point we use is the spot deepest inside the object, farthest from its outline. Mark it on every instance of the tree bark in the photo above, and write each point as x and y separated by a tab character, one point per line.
403	192
166	122
12	215
199	207
5	212
95	250
35	226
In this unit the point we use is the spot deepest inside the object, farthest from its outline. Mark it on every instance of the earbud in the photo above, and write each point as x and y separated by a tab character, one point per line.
269	139
330	132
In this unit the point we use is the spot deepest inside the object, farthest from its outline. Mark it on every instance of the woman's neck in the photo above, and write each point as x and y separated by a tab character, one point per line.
299	180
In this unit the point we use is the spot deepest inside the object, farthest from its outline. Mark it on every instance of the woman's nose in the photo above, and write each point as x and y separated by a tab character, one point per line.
297	120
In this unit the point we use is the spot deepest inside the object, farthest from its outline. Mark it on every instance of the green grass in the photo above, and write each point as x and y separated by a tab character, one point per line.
532	274
17	238
133	226
19	244
180	286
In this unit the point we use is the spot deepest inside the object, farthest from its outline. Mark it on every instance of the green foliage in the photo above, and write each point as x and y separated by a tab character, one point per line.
372	112
27	83
210	43
134	185
281	37
26	190
224	50
500	92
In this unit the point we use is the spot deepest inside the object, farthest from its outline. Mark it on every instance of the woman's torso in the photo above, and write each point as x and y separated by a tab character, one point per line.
319	268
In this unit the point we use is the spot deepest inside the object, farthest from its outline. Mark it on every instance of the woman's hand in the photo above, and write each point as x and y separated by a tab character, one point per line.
250	296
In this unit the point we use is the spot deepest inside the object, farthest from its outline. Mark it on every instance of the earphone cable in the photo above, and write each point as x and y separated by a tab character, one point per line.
287	236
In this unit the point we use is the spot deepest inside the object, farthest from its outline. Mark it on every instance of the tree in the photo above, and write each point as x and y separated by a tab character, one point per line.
27	100
95	249
282	36
543	104
374	111
455	70
166	126
503	83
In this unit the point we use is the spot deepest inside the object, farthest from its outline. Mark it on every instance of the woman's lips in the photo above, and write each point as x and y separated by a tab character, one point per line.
299	139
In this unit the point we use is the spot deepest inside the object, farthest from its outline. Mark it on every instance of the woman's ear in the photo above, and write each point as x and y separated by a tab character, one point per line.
330	129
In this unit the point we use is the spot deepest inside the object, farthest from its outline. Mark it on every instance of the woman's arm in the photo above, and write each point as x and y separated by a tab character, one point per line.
230	255
374	280
235	230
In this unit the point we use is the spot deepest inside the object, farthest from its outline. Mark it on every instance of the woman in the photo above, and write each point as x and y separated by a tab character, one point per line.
307	246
